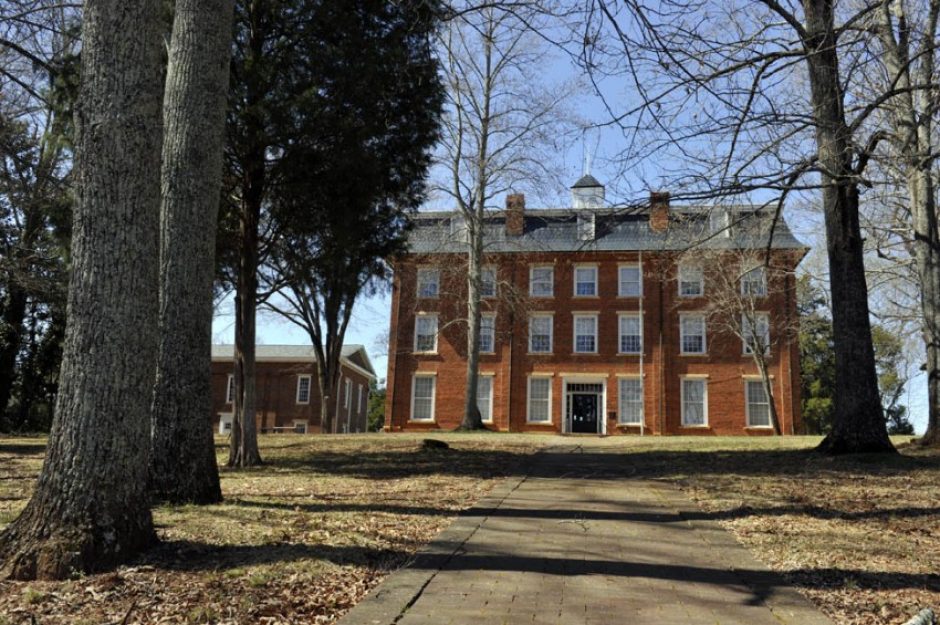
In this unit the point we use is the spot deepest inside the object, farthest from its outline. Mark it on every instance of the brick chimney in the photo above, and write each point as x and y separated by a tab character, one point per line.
659	211
515	214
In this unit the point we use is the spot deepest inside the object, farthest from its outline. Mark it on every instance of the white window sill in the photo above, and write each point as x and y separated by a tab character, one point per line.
758	427
432	421
528	422
693	353
629	353
695	427
434	353
538	353
584	353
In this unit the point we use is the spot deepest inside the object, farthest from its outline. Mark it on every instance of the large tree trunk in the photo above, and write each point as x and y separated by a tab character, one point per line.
91	507
183	465
858	424
243	450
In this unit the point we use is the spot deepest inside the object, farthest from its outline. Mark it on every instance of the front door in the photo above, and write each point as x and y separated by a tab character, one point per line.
584	413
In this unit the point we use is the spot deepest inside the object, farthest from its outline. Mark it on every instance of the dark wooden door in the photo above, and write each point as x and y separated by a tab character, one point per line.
584	413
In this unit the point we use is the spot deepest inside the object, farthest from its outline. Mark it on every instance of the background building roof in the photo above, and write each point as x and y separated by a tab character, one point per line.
352	355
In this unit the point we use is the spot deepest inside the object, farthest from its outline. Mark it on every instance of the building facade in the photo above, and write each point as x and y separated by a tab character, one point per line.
600	320
287	391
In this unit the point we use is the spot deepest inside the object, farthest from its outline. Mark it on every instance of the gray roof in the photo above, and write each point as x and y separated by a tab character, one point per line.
587	180
288	353
554	230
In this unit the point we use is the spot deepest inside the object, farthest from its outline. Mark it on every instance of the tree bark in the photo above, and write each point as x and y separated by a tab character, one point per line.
858	423
91	507
183	464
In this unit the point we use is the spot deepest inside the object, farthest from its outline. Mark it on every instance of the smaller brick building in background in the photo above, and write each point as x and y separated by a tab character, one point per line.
594	320
288	395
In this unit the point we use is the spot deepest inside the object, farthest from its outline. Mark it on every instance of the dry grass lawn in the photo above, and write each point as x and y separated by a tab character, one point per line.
303	538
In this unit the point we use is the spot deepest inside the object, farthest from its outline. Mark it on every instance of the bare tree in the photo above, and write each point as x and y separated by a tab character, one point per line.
499	129
91	506
908	51
183	460
735	92
743	284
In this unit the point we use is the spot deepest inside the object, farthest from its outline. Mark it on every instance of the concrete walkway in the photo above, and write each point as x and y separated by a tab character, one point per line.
576	540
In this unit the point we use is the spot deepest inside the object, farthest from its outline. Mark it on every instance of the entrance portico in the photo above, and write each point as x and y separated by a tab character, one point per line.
585	400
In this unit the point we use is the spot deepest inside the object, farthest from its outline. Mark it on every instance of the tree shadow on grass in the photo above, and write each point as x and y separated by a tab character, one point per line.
612	463
629	514
184	555
26	449
755	585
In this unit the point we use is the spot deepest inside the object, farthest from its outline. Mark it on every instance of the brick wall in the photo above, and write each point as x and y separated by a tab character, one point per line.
510	366
277	405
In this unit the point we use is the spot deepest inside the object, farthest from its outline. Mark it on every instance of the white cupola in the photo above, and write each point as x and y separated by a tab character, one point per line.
587	192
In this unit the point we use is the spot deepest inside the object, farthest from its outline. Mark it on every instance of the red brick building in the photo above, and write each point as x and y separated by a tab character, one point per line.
287	389
596	320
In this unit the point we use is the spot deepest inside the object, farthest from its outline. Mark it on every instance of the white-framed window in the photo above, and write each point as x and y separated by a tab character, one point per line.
756	335
585	334
225	422
488	282
359	404
485	397
631	334
630	281
458	229
423	391
541	281
539	400
300	426
754	282
426	333
429	282
691	281
230	389
585	280
719	221
586	226
630	391
303	389
758	406
347	398
694	402
692	334
487	341
540	334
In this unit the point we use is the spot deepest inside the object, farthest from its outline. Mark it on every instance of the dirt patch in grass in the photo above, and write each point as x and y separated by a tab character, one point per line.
299	540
